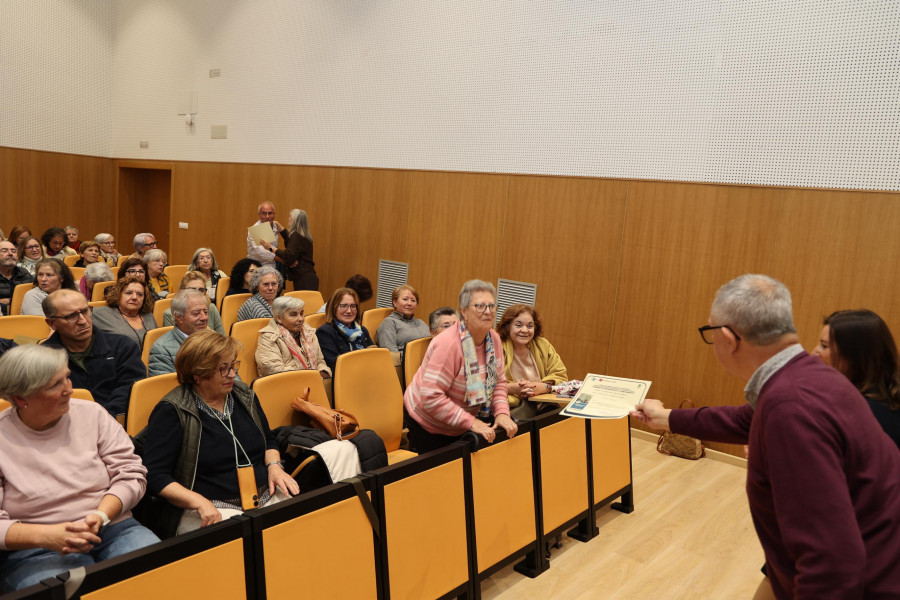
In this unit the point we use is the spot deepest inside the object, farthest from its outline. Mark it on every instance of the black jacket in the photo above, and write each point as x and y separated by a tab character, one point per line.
334	343
19	276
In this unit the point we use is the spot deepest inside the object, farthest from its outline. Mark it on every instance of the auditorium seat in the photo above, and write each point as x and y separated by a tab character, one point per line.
372	318
247	333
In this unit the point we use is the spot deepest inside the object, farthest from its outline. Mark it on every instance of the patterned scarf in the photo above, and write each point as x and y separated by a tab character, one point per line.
354	335
295	347
479	390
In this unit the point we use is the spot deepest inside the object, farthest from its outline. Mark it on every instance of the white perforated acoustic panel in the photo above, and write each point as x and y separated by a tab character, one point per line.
390	275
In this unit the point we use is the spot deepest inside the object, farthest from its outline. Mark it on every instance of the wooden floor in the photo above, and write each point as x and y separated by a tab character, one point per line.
690	536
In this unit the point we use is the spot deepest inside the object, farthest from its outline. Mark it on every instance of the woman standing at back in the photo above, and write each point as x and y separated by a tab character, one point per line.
298	252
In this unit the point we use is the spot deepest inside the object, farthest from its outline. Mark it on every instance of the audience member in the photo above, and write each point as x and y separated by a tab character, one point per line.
198	479
822	477
142	243
342	331
441	319
72	240
6	344
264	285
11	275
54	241
29	253
94	273
859	344
155	263
361	285
132	267
68	472
18	234
204	261
108	248
107	364
190	309
90	254
128	311
241	273
51	275
297	255
461	385
266	212
401	326
286	343
195	280
532	365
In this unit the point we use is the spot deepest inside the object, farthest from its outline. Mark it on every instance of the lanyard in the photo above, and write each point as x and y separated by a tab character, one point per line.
237	443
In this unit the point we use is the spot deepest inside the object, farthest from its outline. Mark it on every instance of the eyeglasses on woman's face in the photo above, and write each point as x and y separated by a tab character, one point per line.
226	369
480	307
135	271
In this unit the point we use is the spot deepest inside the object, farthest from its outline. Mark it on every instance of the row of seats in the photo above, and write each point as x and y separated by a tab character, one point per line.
497	505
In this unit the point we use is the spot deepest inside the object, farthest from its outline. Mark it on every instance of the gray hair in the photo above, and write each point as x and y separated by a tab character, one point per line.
102	238
141	239
472	286
300	224
154	254
26	369
282	304
98	271
435	317
181	298
212	255
260	273
261	204
758	307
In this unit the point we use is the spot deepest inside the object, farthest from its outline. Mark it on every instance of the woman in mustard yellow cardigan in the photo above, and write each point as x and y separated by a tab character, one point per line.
532	363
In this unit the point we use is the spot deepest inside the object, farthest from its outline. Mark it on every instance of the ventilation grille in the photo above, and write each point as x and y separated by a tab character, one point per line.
390	275
511	292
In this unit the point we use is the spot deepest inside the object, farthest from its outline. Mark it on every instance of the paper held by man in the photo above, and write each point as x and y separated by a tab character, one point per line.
263	231
605	397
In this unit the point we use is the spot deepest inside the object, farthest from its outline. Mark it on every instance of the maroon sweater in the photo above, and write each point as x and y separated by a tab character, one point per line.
823	482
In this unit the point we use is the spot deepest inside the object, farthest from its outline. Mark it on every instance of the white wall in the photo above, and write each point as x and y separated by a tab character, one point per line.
800	93
56	75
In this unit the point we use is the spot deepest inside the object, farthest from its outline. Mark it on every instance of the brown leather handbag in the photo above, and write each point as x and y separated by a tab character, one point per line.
684	446
338	424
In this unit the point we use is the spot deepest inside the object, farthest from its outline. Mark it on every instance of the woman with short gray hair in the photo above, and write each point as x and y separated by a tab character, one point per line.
94	273
286	343
155	263
265	284
108	248
461	385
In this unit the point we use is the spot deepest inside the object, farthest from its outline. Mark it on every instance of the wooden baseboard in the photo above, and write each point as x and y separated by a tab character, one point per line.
710	454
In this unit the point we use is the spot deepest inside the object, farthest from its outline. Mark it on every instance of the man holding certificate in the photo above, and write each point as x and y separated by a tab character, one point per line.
823	480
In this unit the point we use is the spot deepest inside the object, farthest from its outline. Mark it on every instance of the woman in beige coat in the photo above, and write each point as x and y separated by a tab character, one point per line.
286	343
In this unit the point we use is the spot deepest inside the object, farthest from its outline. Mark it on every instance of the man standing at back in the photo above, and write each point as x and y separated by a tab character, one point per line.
190	309
266	212
11	275
107	364
823	479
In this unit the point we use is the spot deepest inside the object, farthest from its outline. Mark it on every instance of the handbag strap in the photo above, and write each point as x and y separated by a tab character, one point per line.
367	505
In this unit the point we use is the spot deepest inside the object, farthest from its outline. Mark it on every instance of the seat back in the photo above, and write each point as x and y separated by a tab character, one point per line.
96	303
77	272
122	258
82	394
221	288
412	358
15	302
315	320
4	404
159	309
145	394
99	291
175	273
366	385
312	300
247	333
230	307
373	317
25	325
71	260
149	338
275	393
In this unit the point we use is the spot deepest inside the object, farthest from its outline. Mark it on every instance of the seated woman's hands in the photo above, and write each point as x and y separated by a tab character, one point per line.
69	538
278	477
209	514
527	389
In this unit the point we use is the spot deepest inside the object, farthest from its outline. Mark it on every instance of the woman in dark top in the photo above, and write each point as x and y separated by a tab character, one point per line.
202	432
297	255
342	331
859	344
241	273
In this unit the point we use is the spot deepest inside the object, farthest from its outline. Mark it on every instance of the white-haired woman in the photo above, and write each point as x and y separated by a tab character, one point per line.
286	343
204	261
94	273
68	473
155	263
108	248
297	255
264	285
461	385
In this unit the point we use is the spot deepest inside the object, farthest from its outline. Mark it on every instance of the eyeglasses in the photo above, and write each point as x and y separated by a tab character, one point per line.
135	271
706	328
33	247
73	318
480	308
224	370
347	306
151	244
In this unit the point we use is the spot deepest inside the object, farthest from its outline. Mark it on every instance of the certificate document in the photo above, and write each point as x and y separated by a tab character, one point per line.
263	231
605	397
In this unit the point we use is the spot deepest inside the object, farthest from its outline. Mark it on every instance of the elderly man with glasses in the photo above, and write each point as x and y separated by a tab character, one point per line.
107	364
823	480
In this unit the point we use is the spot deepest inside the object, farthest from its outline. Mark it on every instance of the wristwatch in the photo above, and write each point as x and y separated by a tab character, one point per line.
104	518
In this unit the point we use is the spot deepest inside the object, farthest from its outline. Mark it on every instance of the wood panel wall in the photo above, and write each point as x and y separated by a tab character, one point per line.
626	270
